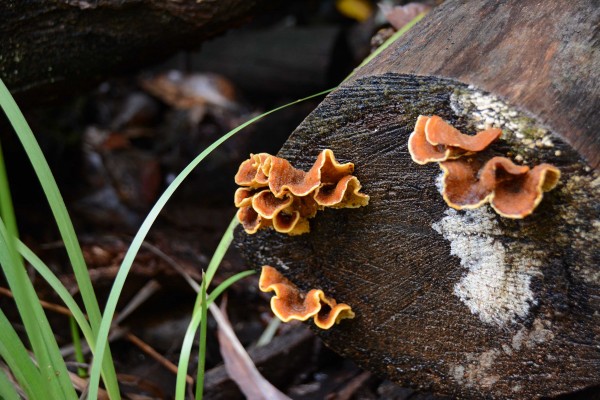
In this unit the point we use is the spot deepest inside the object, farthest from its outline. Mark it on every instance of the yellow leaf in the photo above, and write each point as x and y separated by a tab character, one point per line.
359	10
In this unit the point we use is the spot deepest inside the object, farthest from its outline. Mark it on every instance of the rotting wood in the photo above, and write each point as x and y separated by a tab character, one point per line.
50	48
465	303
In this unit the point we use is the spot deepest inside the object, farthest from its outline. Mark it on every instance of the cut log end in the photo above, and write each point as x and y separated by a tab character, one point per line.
459	302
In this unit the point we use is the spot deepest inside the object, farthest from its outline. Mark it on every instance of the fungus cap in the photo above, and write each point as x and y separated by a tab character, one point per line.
268	206
250	173
283	177
461	188
439	132
468	185
518	197
291	304
434	140
243	197
423	152
284	197
329	169
513	191
292	224
251	221
344	194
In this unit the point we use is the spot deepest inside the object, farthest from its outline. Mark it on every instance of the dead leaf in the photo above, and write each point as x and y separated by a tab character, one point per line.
398	16
188	91
238	363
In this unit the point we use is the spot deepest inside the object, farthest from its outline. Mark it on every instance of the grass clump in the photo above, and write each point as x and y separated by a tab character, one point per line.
44	375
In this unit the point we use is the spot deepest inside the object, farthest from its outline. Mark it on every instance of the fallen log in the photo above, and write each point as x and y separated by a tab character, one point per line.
324	61
52	48
466	303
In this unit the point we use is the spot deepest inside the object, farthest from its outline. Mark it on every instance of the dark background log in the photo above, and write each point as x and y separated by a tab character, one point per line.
465	303
295	60
52	48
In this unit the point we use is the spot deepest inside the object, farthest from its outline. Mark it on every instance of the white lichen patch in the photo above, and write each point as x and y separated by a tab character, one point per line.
478	370
540	332
496	286
281	264
485	110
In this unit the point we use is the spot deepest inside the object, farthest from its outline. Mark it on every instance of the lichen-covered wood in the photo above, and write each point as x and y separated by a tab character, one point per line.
463	302
542	56
50	48
460	302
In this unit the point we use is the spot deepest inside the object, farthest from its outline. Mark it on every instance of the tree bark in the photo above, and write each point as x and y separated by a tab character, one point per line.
50	48
465	303
543	58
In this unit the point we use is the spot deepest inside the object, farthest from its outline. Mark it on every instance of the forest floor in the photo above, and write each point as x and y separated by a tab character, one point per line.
114	150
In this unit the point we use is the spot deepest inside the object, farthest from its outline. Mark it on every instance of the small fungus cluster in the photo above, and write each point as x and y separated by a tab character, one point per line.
513	191
290	303
275	194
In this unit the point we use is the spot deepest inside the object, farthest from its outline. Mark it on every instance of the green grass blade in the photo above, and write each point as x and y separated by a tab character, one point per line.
217	257
190	333
387	43
36	324
201	306
201	342
119	282
45	272
6	205
225	284
64	224
269	333
77	346
186	349
7	389
52	193
56	285
14	353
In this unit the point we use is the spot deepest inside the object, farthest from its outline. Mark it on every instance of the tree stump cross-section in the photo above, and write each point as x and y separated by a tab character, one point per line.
465	303
460	302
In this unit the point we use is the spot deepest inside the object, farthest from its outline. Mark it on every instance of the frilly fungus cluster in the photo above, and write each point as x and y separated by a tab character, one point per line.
289	303
275	194
514	191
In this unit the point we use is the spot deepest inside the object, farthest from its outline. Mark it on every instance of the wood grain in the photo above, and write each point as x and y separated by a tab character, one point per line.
465	303
486	307
541	56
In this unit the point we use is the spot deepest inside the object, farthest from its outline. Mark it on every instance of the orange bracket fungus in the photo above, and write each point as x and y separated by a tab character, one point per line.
289	303
275	194
518	197
513	191
434	140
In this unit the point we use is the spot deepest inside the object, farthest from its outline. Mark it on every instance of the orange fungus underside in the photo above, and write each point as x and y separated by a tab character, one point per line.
512	190
290	303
